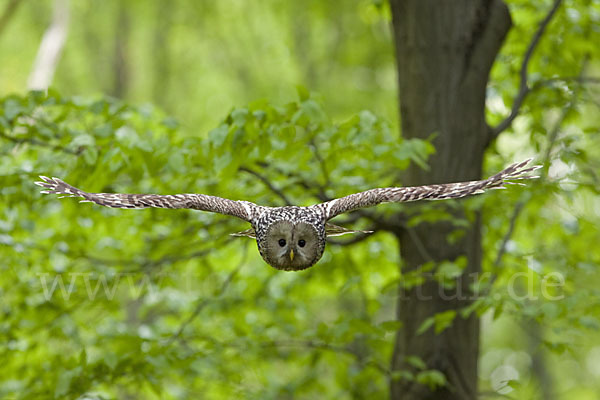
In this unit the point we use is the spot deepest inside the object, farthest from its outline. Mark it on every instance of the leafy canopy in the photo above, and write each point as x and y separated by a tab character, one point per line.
156	299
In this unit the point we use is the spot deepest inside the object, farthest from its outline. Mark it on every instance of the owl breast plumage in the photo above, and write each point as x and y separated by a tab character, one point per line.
293	238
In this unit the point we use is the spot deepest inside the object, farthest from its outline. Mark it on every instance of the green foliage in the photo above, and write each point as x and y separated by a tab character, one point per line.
126	297
164	304
544	297
432	378
439	321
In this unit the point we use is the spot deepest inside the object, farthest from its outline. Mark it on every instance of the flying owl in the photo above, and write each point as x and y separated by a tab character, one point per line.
293	238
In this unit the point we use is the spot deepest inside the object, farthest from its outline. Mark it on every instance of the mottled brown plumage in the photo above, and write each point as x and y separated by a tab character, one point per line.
293	238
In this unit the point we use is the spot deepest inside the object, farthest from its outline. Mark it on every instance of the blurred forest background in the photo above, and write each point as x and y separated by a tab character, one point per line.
276	102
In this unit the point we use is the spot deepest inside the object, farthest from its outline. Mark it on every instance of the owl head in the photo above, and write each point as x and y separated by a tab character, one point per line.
291	246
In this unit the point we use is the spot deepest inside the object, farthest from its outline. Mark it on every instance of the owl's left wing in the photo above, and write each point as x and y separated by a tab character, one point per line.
242	209
429	192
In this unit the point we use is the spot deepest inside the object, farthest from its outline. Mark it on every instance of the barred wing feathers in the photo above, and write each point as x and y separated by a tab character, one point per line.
373	197
241	209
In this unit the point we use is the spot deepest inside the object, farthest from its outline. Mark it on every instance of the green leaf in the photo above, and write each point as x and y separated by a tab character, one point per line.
391	326
218	135
12	108
83	139
399	375
90	155
303	93
425	325
63	385
415	361
443	320
589	322
239	116
440	321
127	136
170	123
431	378
111	360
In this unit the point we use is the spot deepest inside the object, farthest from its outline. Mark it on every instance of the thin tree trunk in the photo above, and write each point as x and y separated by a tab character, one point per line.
51	47
121	52
162	54
538	359
445	50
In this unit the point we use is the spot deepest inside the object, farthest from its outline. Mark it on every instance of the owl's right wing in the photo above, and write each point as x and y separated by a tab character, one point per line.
242	209
444	191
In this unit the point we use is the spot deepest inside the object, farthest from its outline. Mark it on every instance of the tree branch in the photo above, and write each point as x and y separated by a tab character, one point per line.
556	128
318	191
419	244
311	186
313	344
487	37
36	142
148	264
546	162
321	161
511	228
268	184
357	238
578	79
205	301
524	88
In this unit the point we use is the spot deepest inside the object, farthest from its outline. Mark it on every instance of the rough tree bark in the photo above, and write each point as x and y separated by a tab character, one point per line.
445	50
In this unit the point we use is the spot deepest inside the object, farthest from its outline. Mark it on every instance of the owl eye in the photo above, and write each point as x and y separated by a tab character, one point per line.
282	242
301	242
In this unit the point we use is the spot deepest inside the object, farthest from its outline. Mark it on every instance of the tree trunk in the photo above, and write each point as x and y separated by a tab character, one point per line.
51	48
162	54
445	50
121	53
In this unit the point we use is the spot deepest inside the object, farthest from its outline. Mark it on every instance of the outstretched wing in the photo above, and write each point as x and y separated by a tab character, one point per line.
242	209
430	192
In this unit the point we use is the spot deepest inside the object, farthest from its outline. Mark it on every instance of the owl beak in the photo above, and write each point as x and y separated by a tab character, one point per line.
292	255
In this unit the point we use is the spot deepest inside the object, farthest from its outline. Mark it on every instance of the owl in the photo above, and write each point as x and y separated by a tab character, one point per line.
293	238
